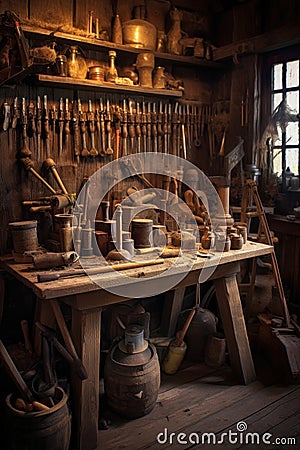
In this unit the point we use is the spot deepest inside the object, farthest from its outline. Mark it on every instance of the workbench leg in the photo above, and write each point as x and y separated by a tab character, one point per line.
234	328
85	394
172	308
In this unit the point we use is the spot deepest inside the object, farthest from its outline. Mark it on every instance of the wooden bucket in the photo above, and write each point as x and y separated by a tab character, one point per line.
42	430
24	235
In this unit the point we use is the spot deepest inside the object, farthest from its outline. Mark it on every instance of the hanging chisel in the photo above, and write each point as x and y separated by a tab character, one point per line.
24	152
92	129
160	132
109	150
131	131
165	128
174	129
31	121
182	126
148	126
154	127
75	128
16	114
53	119
124	129
144	126
38	126
82	122
102	126
46	126
61	125
6	115
117	122
67	124
138	131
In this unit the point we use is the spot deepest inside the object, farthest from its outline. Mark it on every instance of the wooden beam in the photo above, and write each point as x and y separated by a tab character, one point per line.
266	42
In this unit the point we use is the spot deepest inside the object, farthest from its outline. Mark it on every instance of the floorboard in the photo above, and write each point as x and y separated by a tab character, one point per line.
200	400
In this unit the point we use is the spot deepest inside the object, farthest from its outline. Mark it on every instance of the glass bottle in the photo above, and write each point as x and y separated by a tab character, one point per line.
77	67
112	72
117	34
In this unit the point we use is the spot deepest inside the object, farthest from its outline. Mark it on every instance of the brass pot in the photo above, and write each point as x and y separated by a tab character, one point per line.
139	33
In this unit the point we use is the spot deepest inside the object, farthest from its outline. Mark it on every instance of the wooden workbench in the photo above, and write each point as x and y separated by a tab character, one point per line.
87	299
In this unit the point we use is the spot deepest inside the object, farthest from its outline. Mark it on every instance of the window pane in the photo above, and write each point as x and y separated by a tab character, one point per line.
292	133
292	99
276	99
277	76
292	74
292	159
277	161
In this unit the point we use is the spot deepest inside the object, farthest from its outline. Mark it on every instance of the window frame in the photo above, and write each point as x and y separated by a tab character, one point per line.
281	56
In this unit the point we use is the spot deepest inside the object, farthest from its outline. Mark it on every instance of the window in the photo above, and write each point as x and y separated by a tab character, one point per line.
286	86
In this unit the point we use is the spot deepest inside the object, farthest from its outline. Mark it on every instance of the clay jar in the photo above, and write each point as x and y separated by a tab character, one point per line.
236	241
159	78
145	66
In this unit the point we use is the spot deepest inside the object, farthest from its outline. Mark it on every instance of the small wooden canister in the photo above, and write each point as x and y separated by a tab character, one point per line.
24	236
141	232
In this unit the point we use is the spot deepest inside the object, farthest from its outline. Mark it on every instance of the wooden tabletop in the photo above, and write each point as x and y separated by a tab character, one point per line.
84	284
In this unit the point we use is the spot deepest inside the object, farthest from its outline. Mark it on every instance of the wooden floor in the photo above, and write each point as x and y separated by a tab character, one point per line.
201	400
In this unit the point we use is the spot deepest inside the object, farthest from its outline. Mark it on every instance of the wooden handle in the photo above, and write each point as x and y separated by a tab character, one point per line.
25	330
182	333
14	374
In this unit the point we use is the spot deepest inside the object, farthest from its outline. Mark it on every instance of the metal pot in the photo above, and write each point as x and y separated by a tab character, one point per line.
139	33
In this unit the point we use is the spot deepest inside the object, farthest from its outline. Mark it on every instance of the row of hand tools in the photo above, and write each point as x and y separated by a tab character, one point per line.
105	128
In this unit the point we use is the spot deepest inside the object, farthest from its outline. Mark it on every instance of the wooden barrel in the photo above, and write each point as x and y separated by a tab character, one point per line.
132	389
42	430
141	232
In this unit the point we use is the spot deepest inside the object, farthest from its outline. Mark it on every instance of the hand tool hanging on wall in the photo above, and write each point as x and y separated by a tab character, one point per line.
109	150
31	121
67	119
160	132
82	122
165	128
131	130
144	126
38	126
53	120
24	152
61	125
92	129
148	127
124	129
174	130
102	126
50	165
117	122
138	131
75	129
16	114
154	127
182	125
6	115
28	164
46	126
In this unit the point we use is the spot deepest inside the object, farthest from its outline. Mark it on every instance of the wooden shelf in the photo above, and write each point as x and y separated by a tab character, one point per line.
71	83
96	44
